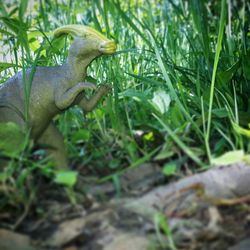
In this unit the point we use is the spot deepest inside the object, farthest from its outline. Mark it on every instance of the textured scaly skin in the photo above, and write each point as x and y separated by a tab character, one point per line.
55	89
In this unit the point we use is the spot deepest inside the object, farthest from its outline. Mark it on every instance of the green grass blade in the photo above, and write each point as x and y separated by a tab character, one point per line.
170	86
181	144
22	8
216	60
131	23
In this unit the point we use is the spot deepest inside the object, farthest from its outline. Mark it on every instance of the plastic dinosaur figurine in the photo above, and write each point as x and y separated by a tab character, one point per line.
55	89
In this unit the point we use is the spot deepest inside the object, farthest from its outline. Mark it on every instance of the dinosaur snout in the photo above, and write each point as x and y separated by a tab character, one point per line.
107	47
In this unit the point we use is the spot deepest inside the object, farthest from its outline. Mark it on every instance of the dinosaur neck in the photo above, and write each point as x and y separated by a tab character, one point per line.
77	66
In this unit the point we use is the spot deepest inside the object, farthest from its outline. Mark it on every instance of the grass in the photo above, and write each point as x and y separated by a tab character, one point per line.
196	52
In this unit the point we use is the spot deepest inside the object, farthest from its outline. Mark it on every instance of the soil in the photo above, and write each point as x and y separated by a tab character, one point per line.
100	220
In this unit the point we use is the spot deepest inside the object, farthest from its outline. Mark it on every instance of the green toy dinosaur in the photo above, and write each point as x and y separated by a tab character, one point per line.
55	89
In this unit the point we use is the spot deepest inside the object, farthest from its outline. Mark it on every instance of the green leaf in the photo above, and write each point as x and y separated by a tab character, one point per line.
177	119
169	168
180	142
161	224
200	20
246	65
22	8
220	112
225	76
215	66
34	44
161	221
164	154
4	66
134	94
149	136
12	139
14	25
67	178
3	10
143	79
172	90
129	20
114	163
56	45
240	130
229	158
7	33
161	100
3	176
82	135
91	79
117	184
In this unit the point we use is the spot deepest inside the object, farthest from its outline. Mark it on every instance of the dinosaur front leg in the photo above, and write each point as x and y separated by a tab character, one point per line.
65	100
88	104
54	139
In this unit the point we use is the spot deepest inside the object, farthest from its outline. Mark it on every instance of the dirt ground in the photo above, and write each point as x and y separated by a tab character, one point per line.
139	218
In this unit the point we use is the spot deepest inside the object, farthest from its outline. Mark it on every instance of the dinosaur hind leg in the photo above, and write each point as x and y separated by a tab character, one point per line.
54	139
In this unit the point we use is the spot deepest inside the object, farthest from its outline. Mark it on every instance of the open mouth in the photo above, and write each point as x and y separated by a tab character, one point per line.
108	47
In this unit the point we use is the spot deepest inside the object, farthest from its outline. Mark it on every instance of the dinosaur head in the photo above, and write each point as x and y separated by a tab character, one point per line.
87	42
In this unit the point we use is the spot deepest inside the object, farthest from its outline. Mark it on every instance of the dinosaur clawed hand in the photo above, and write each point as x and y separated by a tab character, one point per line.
105	88
88	85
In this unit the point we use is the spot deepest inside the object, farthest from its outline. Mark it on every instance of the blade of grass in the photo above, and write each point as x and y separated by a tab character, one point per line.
170	86
199	15
131	23
216	60
22	8
181	144
135	164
